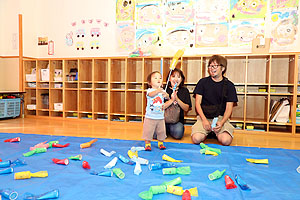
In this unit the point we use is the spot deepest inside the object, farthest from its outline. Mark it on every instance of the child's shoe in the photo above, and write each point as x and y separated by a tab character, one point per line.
148	147
161	146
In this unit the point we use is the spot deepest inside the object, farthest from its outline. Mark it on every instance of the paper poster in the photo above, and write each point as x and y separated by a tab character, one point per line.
242	32
149	15
147	1
180	37
125	37
284	27
211	35
125	10
245	9
281	4
148	40
211	10
179	12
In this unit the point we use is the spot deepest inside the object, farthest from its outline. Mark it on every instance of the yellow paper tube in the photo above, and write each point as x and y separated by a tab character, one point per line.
131	153
40	174
258	161
208	152
174	190
22	175
193	191
168	158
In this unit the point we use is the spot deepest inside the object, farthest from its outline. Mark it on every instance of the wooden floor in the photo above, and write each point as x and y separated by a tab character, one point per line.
129	131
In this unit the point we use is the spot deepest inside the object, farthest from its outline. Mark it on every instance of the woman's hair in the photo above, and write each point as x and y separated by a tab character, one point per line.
176	70
149	78
220	60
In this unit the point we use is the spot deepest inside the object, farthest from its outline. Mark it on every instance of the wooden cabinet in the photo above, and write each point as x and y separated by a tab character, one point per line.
114	89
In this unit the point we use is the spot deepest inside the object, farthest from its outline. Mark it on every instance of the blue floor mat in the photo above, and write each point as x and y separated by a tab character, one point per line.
277	180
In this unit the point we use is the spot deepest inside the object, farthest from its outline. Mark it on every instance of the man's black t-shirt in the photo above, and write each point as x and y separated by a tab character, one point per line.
184	95
212	91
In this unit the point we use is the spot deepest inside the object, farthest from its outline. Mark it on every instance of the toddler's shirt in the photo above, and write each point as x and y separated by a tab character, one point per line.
154	109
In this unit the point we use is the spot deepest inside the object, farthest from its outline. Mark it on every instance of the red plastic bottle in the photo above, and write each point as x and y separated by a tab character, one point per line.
60	145
86	165
16	139
229	183
186	195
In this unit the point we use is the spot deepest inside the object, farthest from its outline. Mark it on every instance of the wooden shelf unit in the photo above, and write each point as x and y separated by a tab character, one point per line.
114	89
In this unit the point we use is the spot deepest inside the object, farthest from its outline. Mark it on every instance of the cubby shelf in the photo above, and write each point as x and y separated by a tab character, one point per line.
114	89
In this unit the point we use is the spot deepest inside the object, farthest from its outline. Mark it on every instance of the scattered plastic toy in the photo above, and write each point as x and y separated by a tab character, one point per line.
108	173
16	163
137	169
241	183
9	193
142	161
214	122
133	149
5	164
78	157
125	160
216	175
157	166
186	195
119	173
61	162
174	190
179	170
86	165
60	145
28	174
6	171
107	154
88	144
132	153
298	169
204	146
53	194
229	184
111	164
16	139
168	158
208	152
35	151
258	161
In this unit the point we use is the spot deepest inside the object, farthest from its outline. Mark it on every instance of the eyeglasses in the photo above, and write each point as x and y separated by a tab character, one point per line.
214	66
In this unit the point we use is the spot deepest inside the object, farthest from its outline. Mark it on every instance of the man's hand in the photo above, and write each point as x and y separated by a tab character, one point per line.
206	125
218	127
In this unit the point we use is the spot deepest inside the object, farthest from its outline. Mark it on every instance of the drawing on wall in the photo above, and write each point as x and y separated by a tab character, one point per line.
42	40
125	10
211	35
179	12
125	37
149	15
211	10
148	40
284	27
280	4
69	39
147	1
242	32
86	34
245	9
180	37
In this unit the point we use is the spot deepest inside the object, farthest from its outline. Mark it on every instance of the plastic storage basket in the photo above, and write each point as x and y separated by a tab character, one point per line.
10	107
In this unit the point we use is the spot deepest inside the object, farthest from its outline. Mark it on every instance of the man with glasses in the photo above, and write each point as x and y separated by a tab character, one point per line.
215	96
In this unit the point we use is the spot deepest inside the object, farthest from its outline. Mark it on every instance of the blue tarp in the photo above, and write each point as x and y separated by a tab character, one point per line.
277	180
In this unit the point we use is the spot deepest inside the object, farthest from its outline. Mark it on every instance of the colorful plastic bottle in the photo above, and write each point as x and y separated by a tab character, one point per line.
86	165
9	194
61	162
5	164
186	195
229	183
16	139
7	171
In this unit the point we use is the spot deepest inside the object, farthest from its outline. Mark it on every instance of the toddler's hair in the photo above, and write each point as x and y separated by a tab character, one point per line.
149	78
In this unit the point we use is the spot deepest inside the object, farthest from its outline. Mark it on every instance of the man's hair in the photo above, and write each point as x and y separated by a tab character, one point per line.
149	78
220	60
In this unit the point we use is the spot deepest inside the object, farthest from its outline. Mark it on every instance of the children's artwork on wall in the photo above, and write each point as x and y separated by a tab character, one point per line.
211	10
149	15
284	27
148	40
69	39
179	12
125	37
281	4
211	35
242	32
88	34
125	10
245	9
42	40
180	37
147	1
